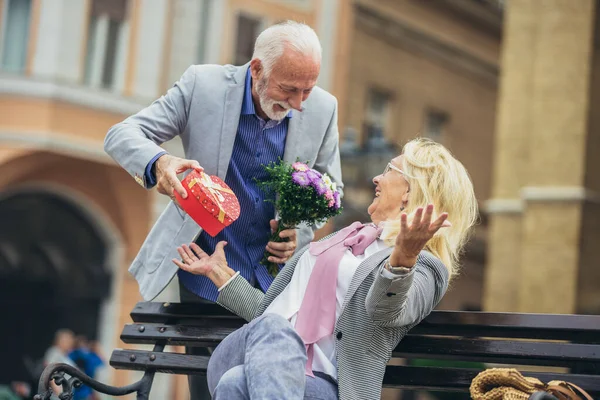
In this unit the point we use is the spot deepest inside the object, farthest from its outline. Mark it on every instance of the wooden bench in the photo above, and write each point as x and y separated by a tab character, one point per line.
570	343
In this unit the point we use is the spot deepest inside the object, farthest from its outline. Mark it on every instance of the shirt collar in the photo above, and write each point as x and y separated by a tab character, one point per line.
248	103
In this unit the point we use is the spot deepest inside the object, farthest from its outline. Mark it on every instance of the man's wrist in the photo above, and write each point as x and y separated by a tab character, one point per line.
155	165
150	171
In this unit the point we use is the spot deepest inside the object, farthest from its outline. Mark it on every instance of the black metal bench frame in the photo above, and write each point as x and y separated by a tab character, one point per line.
555	340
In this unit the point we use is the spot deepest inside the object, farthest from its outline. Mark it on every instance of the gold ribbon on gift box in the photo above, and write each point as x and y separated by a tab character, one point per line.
215	190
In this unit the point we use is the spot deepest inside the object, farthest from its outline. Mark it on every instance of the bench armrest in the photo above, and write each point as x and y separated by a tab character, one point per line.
70	378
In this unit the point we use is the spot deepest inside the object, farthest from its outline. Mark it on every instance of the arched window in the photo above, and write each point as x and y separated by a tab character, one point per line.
52	276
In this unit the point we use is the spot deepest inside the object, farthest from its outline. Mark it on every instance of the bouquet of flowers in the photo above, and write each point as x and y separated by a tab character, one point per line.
300	194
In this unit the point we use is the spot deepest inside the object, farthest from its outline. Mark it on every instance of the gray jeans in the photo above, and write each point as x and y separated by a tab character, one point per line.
265	359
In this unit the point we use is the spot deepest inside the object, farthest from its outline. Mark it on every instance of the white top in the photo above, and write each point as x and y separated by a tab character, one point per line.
289	300
55	355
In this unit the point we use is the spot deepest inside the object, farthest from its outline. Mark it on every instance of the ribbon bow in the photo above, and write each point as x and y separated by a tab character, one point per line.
214	189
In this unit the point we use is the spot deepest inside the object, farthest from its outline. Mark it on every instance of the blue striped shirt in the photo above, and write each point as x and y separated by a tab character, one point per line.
257	142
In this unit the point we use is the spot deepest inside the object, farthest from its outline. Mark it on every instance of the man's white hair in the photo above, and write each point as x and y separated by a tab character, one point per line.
297	36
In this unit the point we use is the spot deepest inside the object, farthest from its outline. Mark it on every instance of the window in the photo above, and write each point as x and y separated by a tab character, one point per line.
349	142
435	124
376	119
15	35
104	37
248	29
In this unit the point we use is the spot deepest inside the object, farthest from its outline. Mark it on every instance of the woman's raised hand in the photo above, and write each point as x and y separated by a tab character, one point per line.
414	236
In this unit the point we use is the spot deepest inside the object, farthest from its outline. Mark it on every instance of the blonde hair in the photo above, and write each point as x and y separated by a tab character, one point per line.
436	177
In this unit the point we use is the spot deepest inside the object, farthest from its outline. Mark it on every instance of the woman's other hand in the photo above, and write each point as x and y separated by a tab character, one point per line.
414	236
196	261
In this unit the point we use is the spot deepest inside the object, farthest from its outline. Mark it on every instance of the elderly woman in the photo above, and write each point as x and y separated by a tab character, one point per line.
327	326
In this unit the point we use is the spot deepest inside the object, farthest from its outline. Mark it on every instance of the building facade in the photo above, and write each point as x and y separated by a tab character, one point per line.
427	69
72	220
484	78
545	200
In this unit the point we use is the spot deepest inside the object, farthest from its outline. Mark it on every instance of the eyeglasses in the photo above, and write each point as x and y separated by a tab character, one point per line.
392	166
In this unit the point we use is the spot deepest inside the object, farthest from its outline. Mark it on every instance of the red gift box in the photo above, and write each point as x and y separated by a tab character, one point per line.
210	202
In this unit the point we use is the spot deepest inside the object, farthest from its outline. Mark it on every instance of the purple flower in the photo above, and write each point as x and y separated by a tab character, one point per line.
320	186
300	178
337	199
313	176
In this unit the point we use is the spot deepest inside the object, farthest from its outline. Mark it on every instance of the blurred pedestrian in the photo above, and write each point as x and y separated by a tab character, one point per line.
64	343
16	391
87	360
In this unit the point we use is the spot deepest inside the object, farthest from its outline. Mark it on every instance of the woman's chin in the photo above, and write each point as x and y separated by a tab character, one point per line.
372	207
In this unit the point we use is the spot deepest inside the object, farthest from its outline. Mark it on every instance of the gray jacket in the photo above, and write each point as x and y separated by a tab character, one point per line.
376	315
203	108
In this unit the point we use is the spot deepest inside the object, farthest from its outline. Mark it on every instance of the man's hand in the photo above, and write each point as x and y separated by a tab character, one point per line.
282	251
166	169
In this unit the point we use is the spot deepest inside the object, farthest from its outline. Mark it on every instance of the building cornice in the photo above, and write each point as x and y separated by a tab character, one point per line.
400	34
541	194
504	206
77	95
55	143
559	194
487	15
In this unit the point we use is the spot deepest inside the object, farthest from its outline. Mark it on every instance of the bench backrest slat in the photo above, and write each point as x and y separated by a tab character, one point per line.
170	363
562	322
525	352
175	334
578	328
459	379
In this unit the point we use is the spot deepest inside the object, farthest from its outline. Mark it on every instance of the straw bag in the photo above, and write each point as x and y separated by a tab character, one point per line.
509	384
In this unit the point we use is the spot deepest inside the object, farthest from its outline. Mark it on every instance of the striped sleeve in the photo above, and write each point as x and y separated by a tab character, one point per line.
406	299
241	298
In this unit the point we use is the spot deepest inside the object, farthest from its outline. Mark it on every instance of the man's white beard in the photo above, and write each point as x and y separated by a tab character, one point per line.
267	104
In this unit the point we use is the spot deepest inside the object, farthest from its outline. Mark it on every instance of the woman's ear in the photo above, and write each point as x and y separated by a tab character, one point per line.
405	199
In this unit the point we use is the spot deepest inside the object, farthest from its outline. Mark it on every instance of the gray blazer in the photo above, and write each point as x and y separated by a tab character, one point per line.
203	108
376	315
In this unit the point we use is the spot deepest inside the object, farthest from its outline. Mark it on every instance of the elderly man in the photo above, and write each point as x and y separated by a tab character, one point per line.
231	120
